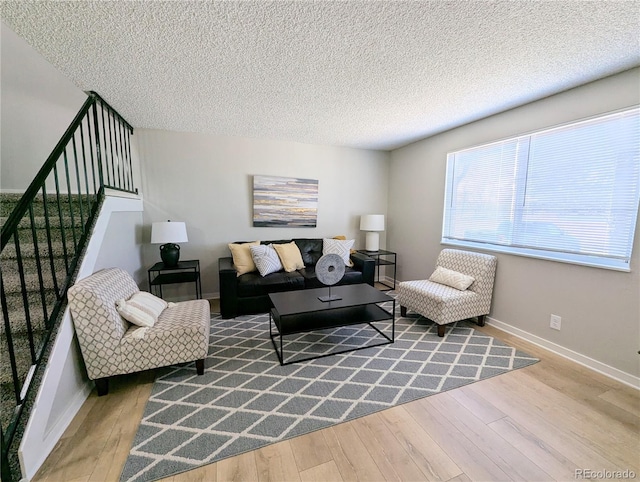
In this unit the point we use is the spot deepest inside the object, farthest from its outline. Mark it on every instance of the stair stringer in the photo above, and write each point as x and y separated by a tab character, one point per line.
47	422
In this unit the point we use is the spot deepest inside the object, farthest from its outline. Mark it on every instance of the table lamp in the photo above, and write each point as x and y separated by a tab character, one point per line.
168	234
372	223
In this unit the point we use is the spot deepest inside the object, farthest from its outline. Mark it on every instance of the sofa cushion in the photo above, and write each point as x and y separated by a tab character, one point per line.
252	284
181	334
310	249
351	276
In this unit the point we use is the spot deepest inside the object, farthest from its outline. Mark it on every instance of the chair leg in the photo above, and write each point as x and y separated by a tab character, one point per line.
440	331
403	310
102	385
481	320
200	366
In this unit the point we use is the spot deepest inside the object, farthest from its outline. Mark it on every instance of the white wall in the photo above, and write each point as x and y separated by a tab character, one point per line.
38	104
206	181
600	309
122	246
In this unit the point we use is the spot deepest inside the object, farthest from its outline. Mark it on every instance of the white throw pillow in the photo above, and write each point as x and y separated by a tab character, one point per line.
266	259
451	278
142	308
340	247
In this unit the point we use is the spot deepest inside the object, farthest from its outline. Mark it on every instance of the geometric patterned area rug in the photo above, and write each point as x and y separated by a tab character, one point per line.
246	400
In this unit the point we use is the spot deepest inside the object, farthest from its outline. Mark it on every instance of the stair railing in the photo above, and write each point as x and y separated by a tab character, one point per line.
43	240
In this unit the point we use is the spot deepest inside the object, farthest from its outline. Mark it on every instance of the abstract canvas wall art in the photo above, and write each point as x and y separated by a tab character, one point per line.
285	202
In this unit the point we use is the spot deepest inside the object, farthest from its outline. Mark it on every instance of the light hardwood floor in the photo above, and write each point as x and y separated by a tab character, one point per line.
539	423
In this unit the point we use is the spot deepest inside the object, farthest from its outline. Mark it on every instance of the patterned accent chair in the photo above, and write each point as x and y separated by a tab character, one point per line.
443	304
110	345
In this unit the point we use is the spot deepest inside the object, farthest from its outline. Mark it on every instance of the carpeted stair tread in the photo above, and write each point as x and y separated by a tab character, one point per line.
29	265
17	314
11	199
31	281
22	354
15	300
10	266
18	319
40	222
28	250
14	197
7	207
55	234
7	403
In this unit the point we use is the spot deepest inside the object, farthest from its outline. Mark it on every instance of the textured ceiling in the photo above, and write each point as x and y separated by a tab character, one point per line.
369	74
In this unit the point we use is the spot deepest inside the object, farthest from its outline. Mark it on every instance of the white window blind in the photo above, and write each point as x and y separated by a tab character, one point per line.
569	193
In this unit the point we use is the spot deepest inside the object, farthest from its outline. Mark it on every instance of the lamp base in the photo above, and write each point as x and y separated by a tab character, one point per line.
170	254
372	241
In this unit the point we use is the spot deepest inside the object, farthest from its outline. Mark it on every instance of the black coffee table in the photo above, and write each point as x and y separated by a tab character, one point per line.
302	311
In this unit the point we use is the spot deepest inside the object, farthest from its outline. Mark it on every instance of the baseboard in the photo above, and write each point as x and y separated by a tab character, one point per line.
574	356
389	281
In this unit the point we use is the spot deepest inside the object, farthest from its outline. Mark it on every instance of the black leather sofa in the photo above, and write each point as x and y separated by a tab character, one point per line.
249	293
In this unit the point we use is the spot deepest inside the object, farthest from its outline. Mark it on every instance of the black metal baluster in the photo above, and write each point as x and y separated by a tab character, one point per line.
36	250
113	166
116	133
98	149
47	224
84	167
104	140
63	230
73	219
5	470
7	330
118	161
75	160
129	160
25	298
125	181
93	167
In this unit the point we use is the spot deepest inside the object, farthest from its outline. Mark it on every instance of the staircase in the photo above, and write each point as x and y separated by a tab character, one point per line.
54	239
44	233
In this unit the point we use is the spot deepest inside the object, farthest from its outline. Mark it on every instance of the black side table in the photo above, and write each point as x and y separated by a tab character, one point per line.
382	258
183	272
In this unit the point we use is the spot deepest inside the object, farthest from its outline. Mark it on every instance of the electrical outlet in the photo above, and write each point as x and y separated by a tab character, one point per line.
555	322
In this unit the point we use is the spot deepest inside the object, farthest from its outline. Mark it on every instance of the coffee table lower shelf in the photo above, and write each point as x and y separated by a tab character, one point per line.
326	319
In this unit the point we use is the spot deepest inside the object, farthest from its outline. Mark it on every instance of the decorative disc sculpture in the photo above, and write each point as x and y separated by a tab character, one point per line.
330	270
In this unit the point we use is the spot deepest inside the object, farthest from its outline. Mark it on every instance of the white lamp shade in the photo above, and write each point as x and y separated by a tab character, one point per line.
372	222
168	232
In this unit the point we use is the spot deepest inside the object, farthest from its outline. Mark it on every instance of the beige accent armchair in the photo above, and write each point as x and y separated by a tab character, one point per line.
443	304
110	345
